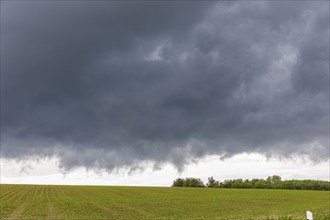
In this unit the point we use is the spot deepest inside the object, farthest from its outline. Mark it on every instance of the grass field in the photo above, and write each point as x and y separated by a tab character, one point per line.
110	202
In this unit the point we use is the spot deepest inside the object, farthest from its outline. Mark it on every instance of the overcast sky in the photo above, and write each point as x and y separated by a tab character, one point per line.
106	85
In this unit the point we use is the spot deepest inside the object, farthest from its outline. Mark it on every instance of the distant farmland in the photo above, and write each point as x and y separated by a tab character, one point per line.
112	202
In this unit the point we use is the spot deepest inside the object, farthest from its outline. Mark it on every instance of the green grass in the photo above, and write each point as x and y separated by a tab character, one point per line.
114	202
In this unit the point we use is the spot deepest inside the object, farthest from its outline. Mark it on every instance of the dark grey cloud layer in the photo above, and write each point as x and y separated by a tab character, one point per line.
112	84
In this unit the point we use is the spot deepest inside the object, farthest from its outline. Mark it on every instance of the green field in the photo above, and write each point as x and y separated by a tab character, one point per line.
112	202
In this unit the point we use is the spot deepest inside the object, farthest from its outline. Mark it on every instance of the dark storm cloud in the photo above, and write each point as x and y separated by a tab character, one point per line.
112	84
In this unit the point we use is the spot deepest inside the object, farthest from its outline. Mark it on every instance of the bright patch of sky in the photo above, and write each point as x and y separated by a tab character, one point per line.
246	166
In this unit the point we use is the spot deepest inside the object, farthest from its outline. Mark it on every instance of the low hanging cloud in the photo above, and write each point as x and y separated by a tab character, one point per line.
113	84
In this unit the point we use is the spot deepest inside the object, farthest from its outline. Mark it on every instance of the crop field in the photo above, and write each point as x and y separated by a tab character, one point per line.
114	202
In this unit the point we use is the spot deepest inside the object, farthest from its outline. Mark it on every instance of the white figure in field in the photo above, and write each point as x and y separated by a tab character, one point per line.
309	215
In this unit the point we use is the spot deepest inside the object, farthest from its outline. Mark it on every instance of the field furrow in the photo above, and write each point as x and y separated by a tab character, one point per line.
49	211
107	202
17	212
35	204
13	192
9	205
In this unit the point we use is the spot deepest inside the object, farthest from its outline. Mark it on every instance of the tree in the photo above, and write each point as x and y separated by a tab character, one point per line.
274	179
212	183
193	182
178	182
271	182
188	182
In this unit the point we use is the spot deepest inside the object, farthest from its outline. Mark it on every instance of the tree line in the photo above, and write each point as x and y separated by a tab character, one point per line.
271	182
